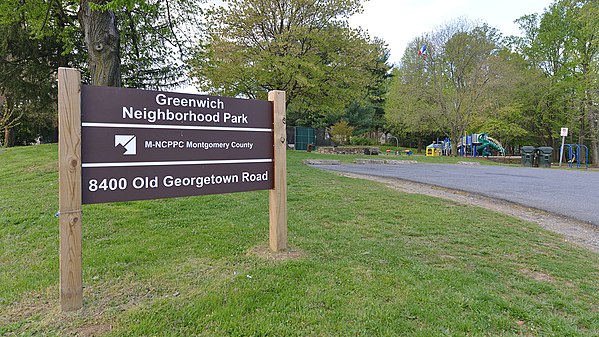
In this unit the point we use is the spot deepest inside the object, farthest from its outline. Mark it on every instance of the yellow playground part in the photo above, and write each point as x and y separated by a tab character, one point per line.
433	150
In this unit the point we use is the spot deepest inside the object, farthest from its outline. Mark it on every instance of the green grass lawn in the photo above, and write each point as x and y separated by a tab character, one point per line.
365	260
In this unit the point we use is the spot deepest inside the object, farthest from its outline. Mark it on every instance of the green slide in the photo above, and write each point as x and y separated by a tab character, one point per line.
487	143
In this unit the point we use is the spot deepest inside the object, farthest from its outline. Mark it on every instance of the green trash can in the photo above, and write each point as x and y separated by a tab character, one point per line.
545	153
528	155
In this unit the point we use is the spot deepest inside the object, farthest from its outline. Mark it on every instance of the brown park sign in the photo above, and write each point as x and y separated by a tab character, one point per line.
141	144
118	144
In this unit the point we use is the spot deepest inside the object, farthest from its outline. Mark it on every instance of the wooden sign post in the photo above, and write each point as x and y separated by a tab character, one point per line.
158	145
69	186
278	195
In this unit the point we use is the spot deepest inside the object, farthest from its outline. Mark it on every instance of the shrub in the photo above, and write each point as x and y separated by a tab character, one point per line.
362	141
341	132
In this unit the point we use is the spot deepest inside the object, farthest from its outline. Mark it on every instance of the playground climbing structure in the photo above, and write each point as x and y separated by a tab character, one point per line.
479	144
574	155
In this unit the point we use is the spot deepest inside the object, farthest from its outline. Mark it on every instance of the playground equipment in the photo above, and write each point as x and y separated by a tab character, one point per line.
433	150
487	142
479	144
439	148
573	156
406	152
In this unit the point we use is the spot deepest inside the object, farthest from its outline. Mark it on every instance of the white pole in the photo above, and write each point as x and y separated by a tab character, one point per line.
561	152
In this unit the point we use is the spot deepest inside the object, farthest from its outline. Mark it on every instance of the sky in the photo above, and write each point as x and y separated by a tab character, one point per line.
398	22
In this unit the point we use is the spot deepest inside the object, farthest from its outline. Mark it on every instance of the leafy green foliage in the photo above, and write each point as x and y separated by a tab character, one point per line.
37	37
405	109
507	125
361	141
28	62
564	44
446	89
368	114
341	132
303	47
156	39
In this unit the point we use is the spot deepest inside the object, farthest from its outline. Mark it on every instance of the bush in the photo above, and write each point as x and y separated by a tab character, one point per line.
362	141
341	132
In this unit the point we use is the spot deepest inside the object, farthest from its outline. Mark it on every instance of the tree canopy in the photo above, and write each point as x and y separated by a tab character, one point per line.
449	85
138	43
472	79
563	43
34	42
522	89
303	47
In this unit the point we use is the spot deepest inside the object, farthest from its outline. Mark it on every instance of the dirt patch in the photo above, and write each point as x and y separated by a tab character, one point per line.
264	252
43	302
93	330
102	301
538	276
49	167
578	232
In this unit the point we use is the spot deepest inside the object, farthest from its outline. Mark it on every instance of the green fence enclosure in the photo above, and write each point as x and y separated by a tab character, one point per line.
303	137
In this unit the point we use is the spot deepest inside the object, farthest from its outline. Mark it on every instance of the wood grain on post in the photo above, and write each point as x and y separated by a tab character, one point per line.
278	195
69	181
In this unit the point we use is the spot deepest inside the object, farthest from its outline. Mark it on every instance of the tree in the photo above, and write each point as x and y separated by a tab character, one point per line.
101	34
449	86
28	62
140	43
341	132
303	47
39	36
544	43
368	114
564	44
406	112
511	100
585	16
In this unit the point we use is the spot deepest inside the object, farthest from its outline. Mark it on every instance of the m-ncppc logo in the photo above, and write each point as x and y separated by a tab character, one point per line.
128	142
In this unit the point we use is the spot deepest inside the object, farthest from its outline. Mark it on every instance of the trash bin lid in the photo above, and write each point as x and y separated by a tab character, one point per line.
545	149
528	149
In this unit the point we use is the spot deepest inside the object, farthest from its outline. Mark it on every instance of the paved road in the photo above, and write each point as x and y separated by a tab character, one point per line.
572	193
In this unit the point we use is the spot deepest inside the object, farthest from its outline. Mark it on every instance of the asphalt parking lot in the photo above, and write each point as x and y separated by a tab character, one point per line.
573	193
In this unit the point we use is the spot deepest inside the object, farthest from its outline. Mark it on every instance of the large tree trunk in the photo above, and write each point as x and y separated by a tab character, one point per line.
9	137
594	155
7	121
102	41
